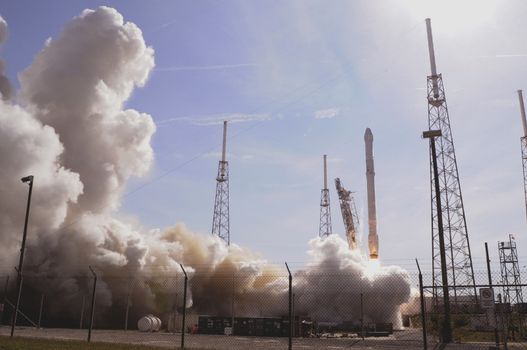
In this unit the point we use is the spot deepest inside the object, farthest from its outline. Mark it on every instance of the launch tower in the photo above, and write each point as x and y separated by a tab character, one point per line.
324	228
458	256
523	140
510	271
349	213
220	219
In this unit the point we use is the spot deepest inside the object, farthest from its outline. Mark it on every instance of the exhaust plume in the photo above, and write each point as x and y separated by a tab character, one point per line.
71	131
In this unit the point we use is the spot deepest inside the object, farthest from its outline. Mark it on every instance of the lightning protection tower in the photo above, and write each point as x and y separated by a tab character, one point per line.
324	228
510	271
460	270
220	219
523	141
349	213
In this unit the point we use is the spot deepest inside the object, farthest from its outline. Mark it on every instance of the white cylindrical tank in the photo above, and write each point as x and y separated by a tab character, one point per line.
149	323
144	324
156	324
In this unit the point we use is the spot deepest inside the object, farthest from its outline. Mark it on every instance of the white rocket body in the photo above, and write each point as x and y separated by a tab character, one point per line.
373	239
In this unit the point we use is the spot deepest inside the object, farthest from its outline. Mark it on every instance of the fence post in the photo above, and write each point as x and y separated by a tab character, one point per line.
232	305
423	308
92	302
361	316
4	301
294	316
503	329
184	307
82	312
290	307
127	305
496	335
175	310
40	311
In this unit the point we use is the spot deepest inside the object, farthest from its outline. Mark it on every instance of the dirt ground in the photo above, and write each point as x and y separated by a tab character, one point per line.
408	339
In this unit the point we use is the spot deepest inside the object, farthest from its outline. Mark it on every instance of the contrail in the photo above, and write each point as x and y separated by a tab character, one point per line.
511	55
215	119
210	67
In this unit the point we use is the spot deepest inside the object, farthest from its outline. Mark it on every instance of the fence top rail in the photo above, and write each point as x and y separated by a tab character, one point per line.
478	286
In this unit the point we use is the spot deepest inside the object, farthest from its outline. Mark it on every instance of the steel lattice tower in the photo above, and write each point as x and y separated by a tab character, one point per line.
523	141
524	164
324	228
460	270
220	219
510	271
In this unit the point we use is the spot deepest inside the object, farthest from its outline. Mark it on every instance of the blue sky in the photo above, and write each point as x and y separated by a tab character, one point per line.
308	77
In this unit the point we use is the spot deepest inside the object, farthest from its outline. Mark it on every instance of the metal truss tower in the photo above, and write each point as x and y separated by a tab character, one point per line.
460	270
220	219
523	141
324	228
349	213
510	271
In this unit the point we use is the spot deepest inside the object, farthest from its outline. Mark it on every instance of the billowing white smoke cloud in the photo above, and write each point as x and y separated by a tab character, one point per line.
72	134
78	84
71	131
330	287
28	147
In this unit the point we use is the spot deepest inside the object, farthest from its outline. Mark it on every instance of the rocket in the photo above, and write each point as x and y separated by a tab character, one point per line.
373	239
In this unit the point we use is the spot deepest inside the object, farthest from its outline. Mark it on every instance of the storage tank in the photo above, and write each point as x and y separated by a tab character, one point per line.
149	323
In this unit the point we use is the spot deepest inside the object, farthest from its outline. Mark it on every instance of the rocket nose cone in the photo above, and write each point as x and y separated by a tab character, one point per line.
368	136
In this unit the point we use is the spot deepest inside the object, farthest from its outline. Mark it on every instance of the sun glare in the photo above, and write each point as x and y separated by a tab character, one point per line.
453	16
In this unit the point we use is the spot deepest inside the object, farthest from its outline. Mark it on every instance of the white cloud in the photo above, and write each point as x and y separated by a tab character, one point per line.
327	113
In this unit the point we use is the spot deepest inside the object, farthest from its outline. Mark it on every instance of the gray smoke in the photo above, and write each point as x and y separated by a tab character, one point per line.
72	132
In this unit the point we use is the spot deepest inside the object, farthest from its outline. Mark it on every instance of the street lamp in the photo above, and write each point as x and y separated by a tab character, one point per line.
29	181
447	327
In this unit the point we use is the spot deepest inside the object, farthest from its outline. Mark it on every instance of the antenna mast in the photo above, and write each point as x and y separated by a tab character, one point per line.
220	219
324	228
459	260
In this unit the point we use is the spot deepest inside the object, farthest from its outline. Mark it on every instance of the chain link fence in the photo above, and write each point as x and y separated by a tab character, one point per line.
489	314
241	310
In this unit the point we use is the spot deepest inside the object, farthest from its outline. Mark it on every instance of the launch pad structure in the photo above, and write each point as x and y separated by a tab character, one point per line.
510	272
349	213
460	269
324	228
220	218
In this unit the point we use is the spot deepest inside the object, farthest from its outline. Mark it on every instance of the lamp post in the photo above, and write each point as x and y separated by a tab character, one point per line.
447	327
29	181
